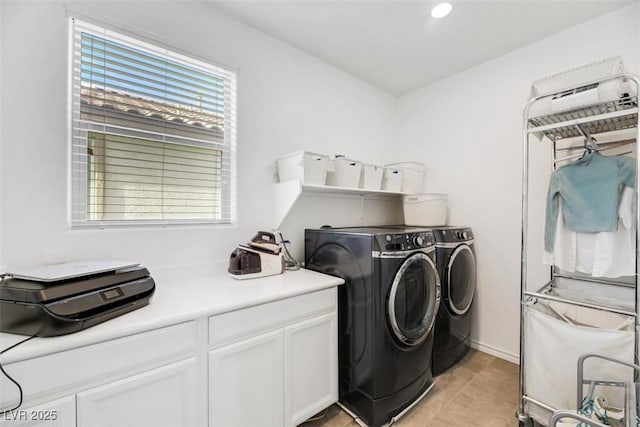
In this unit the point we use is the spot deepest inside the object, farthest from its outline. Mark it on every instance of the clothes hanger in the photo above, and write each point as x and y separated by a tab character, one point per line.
590	143
609	146
591	146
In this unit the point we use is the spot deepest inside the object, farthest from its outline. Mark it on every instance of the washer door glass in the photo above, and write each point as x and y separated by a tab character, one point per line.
461	279
414	299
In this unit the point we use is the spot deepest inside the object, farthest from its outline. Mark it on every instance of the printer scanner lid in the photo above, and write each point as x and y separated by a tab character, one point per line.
68	270
33	291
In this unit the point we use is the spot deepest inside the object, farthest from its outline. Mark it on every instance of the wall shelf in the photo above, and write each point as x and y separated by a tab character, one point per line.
287	193
599	118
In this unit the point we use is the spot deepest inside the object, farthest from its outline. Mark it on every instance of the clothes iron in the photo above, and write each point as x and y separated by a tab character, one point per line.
258	258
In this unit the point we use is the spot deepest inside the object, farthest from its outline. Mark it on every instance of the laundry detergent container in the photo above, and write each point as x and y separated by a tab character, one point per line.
344	172
412	176
426	209
309	168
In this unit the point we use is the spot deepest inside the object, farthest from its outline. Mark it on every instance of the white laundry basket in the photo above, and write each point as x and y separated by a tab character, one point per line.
371	177
428	209
309	168
412	176
552	349
345	173
392	179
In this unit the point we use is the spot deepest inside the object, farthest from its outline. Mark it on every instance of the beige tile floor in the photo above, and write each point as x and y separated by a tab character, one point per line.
481	391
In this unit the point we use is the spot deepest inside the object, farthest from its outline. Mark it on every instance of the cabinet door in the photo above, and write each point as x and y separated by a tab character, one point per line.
311	367
245	383
57	413
166	396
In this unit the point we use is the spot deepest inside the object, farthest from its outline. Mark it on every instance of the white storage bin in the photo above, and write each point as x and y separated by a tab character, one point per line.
309	168
345	173
371	177
392	179
429	209
412	176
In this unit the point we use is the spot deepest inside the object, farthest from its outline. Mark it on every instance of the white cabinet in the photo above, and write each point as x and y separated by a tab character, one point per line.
57	413
246	383
271	364
149	379
274	364
69	371
311	367
165	396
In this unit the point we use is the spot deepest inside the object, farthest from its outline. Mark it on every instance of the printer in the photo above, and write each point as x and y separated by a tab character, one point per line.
49	305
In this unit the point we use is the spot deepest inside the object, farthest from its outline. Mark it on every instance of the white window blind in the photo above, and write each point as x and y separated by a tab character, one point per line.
153	138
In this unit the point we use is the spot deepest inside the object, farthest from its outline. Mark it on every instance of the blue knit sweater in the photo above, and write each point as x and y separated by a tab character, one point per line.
590	190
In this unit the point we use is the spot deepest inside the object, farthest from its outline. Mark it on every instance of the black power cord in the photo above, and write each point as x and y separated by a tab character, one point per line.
290	262
2	413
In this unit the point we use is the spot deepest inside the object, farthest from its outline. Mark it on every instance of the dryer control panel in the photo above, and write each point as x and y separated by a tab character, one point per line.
453	234
406	241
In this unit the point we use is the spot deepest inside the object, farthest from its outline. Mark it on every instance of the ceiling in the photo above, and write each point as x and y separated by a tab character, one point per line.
396	45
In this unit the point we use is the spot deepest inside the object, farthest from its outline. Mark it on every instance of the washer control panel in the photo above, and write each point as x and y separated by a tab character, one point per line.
451	235
407	241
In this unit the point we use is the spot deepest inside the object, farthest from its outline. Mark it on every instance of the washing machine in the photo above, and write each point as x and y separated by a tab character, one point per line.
386	314
456	261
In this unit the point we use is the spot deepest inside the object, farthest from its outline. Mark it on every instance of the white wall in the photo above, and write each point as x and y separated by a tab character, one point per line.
287	101
468	130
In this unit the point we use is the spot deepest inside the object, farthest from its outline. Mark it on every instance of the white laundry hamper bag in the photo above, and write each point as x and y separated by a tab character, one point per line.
552	349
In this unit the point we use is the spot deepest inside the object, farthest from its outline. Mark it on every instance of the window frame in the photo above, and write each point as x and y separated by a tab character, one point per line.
80	130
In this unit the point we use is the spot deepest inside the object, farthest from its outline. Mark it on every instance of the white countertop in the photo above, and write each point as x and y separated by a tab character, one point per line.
181	295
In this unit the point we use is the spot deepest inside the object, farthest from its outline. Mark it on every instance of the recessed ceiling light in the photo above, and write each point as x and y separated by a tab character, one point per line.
441	10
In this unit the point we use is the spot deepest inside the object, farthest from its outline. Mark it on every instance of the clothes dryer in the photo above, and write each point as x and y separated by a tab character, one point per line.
386	313
455	255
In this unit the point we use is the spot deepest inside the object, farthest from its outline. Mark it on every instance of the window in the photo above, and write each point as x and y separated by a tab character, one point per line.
153	134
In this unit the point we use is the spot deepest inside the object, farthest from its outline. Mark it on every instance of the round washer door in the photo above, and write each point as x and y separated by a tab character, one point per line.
461	279
414	299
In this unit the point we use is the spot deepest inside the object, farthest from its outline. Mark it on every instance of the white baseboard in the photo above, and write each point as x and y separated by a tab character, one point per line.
509	357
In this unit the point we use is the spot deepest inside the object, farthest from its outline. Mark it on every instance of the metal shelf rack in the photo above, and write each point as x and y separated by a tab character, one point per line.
560	131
